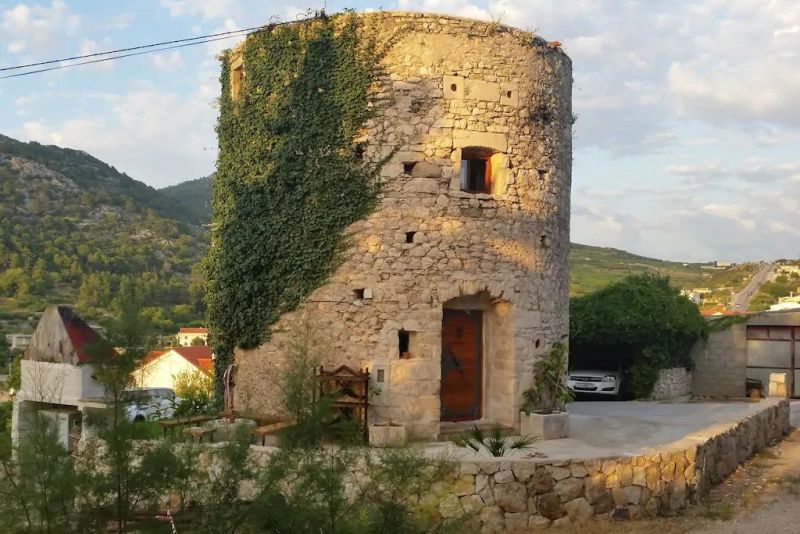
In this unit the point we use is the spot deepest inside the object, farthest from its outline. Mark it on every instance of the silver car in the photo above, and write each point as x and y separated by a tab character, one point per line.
150	403
594	381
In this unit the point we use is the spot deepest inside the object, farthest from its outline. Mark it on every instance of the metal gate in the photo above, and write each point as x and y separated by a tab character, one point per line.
774	349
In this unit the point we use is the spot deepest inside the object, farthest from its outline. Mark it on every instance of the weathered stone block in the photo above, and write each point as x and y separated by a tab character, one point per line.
550	506
541	482
579	510
451	507
516	522
504	477
569	489
511	497
425	169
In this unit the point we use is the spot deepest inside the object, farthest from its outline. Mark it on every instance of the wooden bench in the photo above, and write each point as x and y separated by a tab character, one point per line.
263	431
171	424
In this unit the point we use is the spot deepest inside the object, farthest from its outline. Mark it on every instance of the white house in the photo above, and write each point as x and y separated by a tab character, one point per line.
57	378
18	341
187	335
160	367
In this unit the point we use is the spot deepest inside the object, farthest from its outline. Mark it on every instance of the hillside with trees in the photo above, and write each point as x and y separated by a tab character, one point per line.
195	195
74	230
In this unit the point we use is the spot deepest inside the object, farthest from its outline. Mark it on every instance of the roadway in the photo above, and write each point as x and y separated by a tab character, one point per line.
741	299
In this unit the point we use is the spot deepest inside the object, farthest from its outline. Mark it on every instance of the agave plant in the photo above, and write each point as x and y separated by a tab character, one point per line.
494	441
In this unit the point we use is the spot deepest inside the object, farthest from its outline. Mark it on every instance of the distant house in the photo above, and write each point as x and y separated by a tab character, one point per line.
723	264
188	335
18	341
57	378
789	270
160	367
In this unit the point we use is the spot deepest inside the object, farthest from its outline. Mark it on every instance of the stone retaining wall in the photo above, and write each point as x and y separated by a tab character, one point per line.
516	495
672	383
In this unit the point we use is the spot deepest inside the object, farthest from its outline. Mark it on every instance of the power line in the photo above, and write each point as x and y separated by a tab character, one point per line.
141	52
188	39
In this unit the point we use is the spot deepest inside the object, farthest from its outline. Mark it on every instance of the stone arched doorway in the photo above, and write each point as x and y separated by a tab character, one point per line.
477	360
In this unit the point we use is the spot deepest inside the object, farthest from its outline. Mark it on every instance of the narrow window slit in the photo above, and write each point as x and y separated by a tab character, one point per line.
403	344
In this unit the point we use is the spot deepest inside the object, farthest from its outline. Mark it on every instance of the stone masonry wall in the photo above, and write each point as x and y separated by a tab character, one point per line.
672	383
451	84
520	495
720	364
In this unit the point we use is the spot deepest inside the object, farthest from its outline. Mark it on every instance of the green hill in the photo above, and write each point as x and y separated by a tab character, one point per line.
195	195
89	173
591	268
73	230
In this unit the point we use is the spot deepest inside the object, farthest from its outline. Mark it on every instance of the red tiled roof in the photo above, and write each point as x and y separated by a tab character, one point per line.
80	334
199	356
193	330
154	355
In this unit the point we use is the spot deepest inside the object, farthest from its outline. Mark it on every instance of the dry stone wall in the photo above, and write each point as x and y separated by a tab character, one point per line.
520	495
451	84
672	383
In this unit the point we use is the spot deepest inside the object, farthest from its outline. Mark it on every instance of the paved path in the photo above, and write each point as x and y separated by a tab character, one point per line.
742	298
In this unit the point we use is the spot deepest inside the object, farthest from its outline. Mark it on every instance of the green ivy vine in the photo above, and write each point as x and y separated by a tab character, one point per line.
289	179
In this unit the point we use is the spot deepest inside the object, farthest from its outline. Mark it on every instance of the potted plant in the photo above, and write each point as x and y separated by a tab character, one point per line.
385	434
543	410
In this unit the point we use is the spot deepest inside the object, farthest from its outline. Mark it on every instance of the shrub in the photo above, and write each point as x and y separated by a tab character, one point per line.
640	323
195	389
549	392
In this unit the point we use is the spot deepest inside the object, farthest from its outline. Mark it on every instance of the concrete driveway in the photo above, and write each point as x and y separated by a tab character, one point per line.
601	429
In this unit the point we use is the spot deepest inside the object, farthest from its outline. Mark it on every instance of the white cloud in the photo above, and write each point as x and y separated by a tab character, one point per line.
37	28
167	62
208	9
119	22
153	136
461	8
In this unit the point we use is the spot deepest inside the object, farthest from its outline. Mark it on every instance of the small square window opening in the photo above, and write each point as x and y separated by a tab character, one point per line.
476	171
410	237
408	166
359	293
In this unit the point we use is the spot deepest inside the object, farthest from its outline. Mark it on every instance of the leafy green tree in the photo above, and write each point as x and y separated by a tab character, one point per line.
641	323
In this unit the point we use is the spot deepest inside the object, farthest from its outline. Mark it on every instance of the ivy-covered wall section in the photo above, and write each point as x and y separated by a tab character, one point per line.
290	178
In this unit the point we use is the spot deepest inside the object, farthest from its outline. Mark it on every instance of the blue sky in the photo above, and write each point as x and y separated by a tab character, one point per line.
685	146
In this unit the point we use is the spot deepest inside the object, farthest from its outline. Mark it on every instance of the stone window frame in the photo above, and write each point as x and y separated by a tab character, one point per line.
496	165
237	77
469	157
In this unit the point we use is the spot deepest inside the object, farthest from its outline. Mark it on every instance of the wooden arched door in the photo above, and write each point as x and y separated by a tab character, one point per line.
462	342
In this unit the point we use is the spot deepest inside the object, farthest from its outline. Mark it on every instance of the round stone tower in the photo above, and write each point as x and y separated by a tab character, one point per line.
458	281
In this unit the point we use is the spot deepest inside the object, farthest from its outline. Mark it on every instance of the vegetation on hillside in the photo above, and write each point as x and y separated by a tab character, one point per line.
592	268
195	195
90	239
641	324
770	292
101	179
